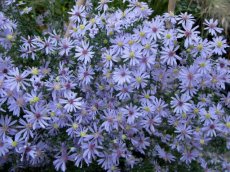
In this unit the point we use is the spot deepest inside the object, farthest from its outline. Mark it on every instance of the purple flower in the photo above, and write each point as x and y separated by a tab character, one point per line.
121	75
37	116
184	132
180	104
15	80
90	150
84	52
71	103
168	55
189	33
65	45
219	44
77	13
189	155
212	27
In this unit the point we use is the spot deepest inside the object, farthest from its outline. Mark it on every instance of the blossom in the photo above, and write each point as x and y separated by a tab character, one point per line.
219	44
15	80
85	74
65	45
121	75
77	13
169	56
37	116
71	103
84	52
90	150
211	26
180	104
184	132
189	33
132	112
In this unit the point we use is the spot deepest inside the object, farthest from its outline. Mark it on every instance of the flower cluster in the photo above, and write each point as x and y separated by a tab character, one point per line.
119	86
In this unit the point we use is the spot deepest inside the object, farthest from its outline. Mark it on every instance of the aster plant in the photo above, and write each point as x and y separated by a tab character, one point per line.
115	88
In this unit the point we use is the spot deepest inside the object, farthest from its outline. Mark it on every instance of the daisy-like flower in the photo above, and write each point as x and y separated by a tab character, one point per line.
15	80
165	155
212	127
25	129
156	28
180	104
108	58
212	27
85	74
90	150
169	55
103	5
77	13
207	116
71	103
65	45
219	44
84	52
47	45
188	76
150	121
169	37
4	148
189	33
132	112
132	54
7	126
159	106
185	18
121	75
140	79
189	155
184	132
37	116
203	65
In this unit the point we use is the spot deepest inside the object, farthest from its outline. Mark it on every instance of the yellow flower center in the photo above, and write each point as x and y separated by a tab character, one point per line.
139	79
131	42
55	125
147	109
208	116
108	57
34	71
35	100
120	44
200	47
75	126
219	44
9	37
196	111
147	46
228	124
202	141
83	134
168	36
82	27
131	54
202	64
142	34
14	143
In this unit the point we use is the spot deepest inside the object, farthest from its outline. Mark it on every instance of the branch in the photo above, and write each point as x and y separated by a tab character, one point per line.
79	3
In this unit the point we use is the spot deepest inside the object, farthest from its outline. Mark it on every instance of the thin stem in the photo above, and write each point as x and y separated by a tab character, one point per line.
171	6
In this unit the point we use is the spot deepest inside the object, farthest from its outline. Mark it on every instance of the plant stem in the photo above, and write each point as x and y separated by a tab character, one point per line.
171	6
